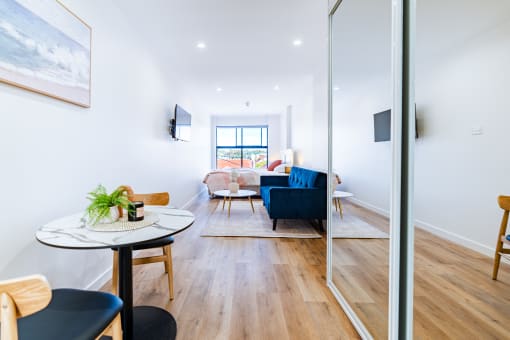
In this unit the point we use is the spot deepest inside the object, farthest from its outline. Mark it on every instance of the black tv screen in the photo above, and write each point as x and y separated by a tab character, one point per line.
382	126
181	125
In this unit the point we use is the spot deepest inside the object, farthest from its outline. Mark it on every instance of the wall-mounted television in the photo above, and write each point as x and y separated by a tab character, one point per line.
180	125
382	126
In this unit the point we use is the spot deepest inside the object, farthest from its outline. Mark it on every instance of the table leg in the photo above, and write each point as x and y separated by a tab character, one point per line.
251	202
224	199
229	205
126	290
341	209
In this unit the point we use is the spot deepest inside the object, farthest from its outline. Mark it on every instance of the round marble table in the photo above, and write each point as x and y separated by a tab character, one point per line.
240	194
71	232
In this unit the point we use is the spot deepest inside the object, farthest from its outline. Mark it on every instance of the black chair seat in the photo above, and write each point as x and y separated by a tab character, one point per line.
160	242
71	314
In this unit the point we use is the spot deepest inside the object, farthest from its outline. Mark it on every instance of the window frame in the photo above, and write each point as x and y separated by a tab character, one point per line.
240	144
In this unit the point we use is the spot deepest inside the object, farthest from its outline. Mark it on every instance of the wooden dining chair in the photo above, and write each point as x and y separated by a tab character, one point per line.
31	310
163	199
504	203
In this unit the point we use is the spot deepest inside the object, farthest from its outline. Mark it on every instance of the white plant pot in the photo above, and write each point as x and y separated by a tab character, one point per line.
114	216
233	187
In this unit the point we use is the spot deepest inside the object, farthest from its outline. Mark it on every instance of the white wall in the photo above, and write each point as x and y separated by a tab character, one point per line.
275	131
53	153
460	175
462	73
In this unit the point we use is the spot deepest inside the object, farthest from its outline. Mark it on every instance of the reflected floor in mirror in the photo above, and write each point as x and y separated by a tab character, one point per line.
455	297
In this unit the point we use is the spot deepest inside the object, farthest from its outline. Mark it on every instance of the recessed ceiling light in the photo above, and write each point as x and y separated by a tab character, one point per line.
219	89
201	45
297	42
276	88
336	88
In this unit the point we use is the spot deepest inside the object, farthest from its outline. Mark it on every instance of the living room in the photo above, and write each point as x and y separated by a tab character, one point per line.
254	64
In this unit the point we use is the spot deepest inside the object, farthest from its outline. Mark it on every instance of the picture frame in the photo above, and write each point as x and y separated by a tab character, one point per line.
47	49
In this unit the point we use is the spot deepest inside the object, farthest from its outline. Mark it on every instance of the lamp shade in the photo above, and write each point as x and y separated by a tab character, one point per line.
288	157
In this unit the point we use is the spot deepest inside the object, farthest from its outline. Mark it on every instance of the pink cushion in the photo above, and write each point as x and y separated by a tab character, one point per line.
274	164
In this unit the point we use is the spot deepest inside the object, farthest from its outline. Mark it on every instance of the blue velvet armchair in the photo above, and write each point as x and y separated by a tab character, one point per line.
301	195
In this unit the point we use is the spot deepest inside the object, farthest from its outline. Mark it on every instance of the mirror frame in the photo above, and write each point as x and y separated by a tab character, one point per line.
401	265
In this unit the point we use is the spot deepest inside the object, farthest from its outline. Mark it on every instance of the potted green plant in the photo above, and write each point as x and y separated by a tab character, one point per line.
104	207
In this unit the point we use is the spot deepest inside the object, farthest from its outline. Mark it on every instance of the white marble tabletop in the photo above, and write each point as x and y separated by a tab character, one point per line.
240	193
342	194
72	232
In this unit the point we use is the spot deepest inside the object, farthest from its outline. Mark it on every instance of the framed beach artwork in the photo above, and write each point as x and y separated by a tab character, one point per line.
46	49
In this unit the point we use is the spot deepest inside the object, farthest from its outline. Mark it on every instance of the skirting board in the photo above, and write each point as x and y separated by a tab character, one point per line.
100	281
194	198
445	234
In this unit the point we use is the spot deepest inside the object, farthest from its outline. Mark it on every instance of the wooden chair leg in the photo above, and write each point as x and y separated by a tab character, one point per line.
497	259
167	250
114	329
115	273
117	328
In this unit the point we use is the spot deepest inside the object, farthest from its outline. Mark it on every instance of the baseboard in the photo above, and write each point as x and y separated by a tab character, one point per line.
369	206
100	281
193	199
441	232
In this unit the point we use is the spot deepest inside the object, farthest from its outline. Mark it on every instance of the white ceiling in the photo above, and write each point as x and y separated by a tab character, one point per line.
249	46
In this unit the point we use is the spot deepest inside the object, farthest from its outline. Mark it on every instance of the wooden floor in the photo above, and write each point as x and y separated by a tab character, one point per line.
455	297
244	288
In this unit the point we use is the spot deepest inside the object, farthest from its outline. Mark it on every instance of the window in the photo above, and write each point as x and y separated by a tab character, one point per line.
241	147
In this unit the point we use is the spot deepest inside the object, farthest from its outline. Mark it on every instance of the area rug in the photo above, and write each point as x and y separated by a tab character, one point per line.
244	223
353	227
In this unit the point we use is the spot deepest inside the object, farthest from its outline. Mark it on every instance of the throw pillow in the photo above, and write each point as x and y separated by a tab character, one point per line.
274	164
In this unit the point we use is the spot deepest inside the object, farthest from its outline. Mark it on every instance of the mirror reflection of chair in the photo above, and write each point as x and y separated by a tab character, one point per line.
161	199
31	310
504	203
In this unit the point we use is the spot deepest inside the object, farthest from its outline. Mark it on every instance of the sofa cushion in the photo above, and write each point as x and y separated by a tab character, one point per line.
302	178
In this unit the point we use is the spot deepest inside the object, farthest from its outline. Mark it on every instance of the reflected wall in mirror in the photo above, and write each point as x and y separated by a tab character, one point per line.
461	166
361	157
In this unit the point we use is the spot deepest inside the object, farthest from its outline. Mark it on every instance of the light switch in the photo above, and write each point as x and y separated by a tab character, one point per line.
477	130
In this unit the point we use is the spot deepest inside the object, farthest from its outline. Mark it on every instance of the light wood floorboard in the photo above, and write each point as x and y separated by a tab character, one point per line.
244	288
455	297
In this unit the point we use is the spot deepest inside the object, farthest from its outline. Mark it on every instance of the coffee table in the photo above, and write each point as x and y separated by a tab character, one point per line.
240	194
337	196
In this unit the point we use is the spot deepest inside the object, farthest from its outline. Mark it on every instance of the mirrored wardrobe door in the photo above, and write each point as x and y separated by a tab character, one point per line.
461	168
361	160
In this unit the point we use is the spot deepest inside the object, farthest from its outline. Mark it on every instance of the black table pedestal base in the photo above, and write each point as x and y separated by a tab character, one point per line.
153	323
